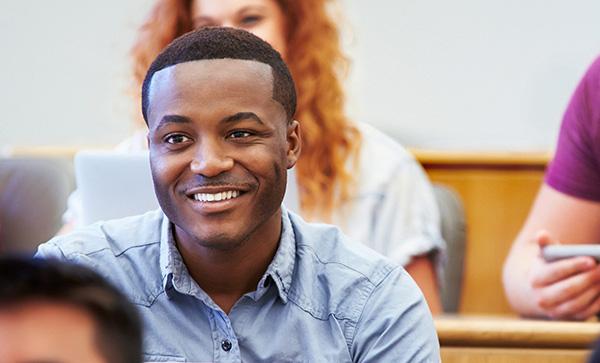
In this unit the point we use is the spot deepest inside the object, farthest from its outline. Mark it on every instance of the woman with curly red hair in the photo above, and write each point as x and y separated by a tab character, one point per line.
349	174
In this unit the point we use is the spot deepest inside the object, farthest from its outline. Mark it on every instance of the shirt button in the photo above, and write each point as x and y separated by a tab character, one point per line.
226	345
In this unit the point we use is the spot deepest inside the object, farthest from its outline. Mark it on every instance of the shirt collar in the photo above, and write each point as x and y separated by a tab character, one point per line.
175	275
280	270
164	247
168	257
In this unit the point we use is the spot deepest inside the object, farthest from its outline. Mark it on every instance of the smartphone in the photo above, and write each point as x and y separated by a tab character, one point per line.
557	252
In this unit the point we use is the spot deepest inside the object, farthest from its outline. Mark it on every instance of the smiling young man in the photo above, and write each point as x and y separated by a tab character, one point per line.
222	272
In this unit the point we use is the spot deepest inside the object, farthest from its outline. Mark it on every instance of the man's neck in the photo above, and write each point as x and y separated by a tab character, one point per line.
226	275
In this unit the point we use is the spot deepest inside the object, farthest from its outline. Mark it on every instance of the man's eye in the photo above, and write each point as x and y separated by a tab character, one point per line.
176	139
239	134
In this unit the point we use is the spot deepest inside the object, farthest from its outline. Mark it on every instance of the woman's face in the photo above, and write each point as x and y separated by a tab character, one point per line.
264	18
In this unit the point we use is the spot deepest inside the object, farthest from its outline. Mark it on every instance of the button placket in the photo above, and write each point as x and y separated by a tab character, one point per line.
225	340
226	345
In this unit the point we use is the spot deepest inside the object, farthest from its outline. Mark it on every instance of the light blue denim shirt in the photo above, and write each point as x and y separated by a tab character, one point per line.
322	298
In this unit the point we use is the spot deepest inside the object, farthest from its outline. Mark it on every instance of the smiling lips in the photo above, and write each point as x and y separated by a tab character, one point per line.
217	197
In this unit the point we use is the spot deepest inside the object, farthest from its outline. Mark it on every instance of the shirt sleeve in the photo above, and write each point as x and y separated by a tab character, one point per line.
53	249
575	169
408	221
395	325
49	250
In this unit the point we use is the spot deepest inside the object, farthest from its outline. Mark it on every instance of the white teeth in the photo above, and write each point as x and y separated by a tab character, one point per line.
216	197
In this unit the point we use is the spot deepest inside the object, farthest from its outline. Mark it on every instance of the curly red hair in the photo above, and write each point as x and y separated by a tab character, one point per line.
330	140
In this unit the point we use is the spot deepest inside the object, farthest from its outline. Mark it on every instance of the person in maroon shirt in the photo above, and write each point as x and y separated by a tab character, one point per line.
566	210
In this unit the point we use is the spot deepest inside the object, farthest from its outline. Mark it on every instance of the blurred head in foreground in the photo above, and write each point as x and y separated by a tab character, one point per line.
51	311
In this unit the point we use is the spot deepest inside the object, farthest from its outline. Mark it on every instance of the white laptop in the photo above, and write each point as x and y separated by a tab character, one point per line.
115	185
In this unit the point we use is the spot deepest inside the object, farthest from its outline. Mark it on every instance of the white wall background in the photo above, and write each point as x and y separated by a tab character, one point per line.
461	74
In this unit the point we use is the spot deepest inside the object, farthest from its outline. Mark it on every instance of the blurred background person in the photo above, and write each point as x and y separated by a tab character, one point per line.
51	311
349	173
566	210
33	195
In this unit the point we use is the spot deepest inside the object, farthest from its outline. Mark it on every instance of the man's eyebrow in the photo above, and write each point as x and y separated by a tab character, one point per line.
242	116
168	119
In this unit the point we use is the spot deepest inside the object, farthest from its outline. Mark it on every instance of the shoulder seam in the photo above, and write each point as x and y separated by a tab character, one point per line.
368	278
101	249
353	327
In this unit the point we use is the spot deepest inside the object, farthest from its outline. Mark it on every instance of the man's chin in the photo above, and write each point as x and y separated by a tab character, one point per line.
216	240
220	243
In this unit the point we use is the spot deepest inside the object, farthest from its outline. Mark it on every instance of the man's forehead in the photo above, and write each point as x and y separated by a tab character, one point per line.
207	69
219	77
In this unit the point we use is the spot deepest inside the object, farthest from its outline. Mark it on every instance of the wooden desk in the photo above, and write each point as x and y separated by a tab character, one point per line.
468	339
497	190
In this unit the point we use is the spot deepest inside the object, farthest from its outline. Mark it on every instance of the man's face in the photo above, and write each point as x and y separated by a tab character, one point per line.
47	332
219	149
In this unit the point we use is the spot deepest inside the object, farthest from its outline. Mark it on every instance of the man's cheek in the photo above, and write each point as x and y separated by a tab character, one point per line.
162	167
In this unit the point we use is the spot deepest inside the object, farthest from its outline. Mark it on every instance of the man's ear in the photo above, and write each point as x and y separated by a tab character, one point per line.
294	141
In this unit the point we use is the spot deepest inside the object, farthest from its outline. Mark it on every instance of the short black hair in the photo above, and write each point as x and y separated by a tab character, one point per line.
118	326
225	43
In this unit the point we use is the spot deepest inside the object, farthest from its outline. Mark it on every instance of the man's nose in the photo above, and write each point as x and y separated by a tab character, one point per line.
211	160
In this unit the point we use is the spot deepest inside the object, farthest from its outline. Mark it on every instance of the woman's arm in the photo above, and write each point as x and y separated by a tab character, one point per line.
421	269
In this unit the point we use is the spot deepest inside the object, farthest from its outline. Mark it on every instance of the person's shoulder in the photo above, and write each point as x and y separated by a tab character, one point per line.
382	160
593	71
125	251
588	92
336	275
375	143
328	245
585	96
115	237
